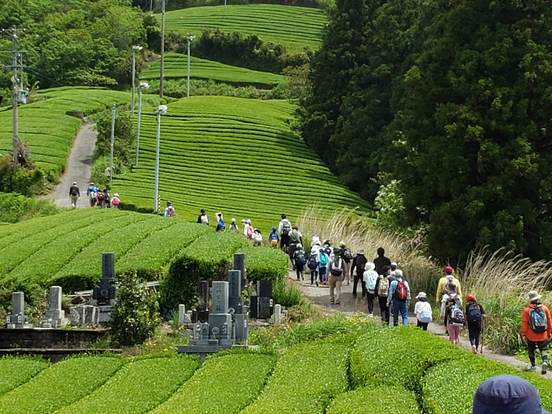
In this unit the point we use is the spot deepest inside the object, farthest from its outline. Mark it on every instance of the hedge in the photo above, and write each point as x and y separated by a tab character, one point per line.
60	385
375	400
306	378
208	257
225	385
265	263
138	387
16	371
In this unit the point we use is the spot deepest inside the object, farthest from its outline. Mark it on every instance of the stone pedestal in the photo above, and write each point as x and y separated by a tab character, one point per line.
55	316
17	319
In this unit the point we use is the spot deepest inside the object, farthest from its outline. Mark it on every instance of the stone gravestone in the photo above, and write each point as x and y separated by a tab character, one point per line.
234	295
277	316
104	293
55	315
220	320
17	319
239	264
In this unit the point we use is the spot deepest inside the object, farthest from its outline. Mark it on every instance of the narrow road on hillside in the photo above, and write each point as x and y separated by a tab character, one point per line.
79	168
320	296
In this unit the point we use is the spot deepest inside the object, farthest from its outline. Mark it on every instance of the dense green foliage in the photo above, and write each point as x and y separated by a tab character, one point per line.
238	156
452	99
305	379
265	264
60	385
137	387
16	371
225	384
375	400
16	207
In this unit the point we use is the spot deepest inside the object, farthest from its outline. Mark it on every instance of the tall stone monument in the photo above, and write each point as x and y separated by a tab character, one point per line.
17	319
55	315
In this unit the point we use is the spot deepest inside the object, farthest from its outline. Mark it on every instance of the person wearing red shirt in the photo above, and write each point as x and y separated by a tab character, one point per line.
536	329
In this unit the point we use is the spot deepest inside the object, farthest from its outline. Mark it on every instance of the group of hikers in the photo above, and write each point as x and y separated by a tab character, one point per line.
96	197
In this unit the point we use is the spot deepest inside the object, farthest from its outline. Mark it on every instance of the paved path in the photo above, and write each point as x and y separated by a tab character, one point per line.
320	296
78	168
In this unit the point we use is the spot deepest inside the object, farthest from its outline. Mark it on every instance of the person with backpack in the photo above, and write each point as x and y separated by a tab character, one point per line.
99	198
257	238
449	290
336	279
323	262
474	318
399	295
74	194
382	292
359	264
369	282
234	226
115	201
347	257
454	317
106	199
295	238
273	237
92	192
423	312
169	210
248	229
312	264
202	218
536	330
447	279
284	228
300	261
381	261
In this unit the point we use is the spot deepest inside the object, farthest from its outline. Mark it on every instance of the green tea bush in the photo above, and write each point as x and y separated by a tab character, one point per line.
398	356
286	294
138	387
60	385
224	385
375	400
17	371
206	258
16	207
265	263
306	378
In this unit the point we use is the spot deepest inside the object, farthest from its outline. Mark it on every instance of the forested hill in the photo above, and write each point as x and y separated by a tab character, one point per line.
447	105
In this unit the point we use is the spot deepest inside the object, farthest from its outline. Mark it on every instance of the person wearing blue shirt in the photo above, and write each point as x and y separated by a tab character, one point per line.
398	296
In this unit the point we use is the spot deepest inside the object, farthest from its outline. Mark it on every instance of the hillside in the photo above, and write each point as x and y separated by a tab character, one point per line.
238	156
295	28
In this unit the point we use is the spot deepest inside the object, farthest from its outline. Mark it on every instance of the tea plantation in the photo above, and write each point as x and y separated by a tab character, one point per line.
238	156
176	68
295	28
363	369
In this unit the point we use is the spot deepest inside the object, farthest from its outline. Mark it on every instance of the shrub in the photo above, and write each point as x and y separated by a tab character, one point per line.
15	207
225	384
138	387
22	180
286	294
60	385
206	258
375	400
306	378
265	263
135	315
16	371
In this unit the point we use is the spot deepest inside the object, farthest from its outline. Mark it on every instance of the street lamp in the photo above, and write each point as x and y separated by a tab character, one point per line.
134	50
189	38
161	110
142	87
112	144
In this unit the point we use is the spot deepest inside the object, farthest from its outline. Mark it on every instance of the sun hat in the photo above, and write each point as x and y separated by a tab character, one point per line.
342	244
74	183
448	270
507	394
421	295
398	273
470	297
116	195
533	296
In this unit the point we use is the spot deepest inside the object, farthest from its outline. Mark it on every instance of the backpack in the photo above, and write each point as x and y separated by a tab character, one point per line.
425	315
74	191
474	312
300	259
323	259
401	292
170	211
361	265
273	236
347	255
537	319
286	226
371	280
336	270
383	288
312	264
294	237
456	316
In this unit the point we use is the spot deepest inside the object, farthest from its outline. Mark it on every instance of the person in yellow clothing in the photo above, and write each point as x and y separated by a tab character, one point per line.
447	279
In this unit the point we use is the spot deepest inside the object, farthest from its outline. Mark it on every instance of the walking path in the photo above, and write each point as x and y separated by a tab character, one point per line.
320	296
79	168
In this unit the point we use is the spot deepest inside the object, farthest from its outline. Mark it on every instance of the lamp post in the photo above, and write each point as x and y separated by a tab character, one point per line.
113	113
161	110
189	38
142	87
134	50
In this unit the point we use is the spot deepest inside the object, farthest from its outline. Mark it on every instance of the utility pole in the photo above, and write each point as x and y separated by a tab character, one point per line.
113	114
142	87
162	66
189	39
134	50
161	110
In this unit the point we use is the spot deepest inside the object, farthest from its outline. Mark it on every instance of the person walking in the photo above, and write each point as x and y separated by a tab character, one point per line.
382	292
399	295
358	267
474	319
92	192
323	263
313	264
423	312
74	194
257	238
295	238
300	261
115	201
369	282
202	218
444	281
336	279
381	261
536	330
234	226
454	317
169	210
220	222
284	228
347	257
106	199
273	237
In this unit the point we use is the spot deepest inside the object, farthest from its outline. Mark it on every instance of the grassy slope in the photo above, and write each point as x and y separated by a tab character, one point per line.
293	27
236	155
176	68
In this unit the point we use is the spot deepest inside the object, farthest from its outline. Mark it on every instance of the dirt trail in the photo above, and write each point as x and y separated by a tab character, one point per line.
78	169
320	296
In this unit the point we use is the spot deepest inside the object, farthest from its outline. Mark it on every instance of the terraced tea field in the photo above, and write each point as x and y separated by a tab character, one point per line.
295	28
234	155
47	128
176	68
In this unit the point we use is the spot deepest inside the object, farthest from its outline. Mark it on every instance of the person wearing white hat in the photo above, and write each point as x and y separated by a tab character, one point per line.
74	194
422	310
536	330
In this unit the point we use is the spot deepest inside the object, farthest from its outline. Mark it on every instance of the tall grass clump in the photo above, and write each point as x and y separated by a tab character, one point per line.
501	281
360	232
